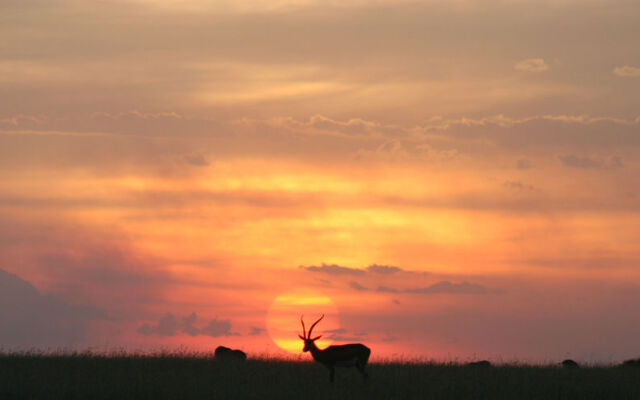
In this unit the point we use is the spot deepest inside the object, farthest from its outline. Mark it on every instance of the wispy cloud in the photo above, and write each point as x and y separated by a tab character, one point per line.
627	71
587	162
198	160
517	185
453	288
254	331
355	285
532	65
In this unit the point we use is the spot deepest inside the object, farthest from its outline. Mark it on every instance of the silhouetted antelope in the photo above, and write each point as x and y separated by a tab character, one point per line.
346	355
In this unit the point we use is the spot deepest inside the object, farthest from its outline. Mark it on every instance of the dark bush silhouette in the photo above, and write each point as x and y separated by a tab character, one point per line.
634	362
481	363
225	353
568	363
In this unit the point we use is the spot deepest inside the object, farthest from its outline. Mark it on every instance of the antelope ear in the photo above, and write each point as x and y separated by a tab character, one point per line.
317	337
300	336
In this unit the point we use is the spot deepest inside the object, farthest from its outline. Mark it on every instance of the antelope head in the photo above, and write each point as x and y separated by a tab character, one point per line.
308	340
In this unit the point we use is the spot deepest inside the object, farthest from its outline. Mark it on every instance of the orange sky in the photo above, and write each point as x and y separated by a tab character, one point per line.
450	179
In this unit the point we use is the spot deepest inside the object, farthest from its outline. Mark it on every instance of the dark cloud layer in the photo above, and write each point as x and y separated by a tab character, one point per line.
82	264
337	270
30	319
333	269
442	287
588	319
383	269
375	272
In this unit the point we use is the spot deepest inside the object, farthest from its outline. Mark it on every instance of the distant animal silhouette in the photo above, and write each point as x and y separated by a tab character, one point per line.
632	363
347	355
569	364
225	353
482	363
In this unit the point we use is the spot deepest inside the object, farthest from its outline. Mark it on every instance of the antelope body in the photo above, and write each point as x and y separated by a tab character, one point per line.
347	355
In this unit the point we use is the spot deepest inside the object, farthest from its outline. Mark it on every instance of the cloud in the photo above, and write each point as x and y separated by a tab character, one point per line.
254	331
443	287
217	328
386	289
333	269
355	285
168	325
375	272
542	132
188	325
197	160
326	125
452	288
82	262
436	140
339	335
29	319
267	39
543	315
383	269
591	261
627	71
574	161
532	65
517	185
343	338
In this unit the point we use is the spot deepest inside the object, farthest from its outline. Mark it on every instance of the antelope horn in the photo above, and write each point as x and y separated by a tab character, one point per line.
314	324
304	332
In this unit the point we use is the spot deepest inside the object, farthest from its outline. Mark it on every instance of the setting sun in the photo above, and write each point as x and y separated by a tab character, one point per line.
283	319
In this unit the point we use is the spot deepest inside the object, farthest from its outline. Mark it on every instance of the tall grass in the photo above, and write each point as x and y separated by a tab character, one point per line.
120	375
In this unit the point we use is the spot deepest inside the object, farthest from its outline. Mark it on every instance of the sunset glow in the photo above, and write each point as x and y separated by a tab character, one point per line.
443	180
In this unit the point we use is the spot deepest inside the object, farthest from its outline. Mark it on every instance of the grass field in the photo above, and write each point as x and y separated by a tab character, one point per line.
192	376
